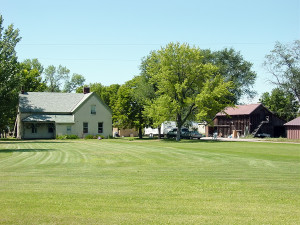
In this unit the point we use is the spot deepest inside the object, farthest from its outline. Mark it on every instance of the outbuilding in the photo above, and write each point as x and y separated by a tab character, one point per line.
253	119
293	129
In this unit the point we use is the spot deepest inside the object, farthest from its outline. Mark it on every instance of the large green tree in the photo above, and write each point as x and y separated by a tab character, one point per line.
9	70
54	77
31	75
284	64
129	106
233	67
282	103
185	87
77	80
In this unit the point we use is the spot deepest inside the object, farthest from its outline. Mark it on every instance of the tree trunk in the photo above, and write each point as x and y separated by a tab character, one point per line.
159	132
140	133
179	125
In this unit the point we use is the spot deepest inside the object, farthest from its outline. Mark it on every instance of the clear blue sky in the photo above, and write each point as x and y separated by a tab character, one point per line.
106	40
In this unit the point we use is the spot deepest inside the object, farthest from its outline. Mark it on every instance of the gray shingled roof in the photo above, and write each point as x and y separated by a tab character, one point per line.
50	102
49	118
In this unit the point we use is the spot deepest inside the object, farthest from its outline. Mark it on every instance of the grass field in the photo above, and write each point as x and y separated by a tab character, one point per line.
149	182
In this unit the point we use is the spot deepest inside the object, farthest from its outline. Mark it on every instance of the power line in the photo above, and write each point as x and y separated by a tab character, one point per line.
141	44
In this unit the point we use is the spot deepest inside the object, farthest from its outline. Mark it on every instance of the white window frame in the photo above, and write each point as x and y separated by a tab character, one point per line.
93	109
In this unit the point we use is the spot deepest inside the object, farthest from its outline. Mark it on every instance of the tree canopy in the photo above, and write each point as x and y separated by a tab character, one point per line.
232	67
186	88
284	64
128	107
31	75
9	70
54	77
76	81
282	103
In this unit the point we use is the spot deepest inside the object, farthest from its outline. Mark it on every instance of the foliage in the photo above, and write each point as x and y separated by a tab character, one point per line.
9	79
234	68
282	103
284	64
55	76
107	93
67	136
128	107
31	75
76	81
90	136
186	89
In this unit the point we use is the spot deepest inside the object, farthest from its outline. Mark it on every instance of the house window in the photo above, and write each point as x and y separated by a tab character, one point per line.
100	127
93	109
69	129
85	128
33	129
50	128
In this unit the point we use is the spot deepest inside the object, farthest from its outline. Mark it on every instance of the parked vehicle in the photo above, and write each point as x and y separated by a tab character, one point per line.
195	134
263	135
165	128
185	134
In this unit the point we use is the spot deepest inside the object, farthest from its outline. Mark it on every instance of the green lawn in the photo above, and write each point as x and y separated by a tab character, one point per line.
149	182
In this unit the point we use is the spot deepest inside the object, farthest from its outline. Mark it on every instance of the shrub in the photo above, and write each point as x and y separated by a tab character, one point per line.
67	136
72	136
89	136
61	137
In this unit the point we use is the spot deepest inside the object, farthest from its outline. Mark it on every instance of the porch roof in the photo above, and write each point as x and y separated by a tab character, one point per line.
49	118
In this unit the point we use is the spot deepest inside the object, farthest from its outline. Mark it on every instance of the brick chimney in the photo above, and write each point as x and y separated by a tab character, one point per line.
86	90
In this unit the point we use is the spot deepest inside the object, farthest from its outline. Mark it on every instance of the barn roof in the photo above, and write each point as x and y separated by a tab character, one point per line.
294	122
239	110
50	102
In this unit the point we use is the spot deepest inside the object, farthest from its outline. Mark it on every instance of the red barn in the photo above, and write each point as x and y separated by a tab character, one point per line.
293	129
253	119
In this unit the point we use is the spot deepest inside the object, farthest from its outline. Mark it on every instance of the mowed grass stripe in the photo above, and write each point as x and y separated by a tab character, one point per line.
159	182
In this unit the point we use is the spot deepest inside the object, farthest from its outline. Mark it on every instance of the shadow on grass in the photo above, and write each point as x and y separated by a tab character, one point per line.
30	141
173	140
25	150
193	141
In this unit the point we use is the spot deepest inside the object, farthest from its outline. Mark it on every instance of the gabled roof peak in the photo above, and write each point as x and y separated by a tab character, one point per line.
294	122
240	110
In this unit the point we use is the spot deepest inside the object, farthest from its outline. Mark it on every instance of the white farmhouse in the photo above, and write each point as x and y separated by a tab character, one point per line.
47	114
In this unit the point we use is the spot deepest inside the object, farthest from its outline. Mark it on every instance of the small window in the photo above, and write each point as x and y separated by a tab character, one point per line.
93	109
33	129
85	128
100	127
69	129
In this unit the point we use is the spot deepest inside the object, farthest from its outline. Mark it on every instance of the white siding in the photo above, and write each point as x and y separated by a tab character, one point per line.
83	114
